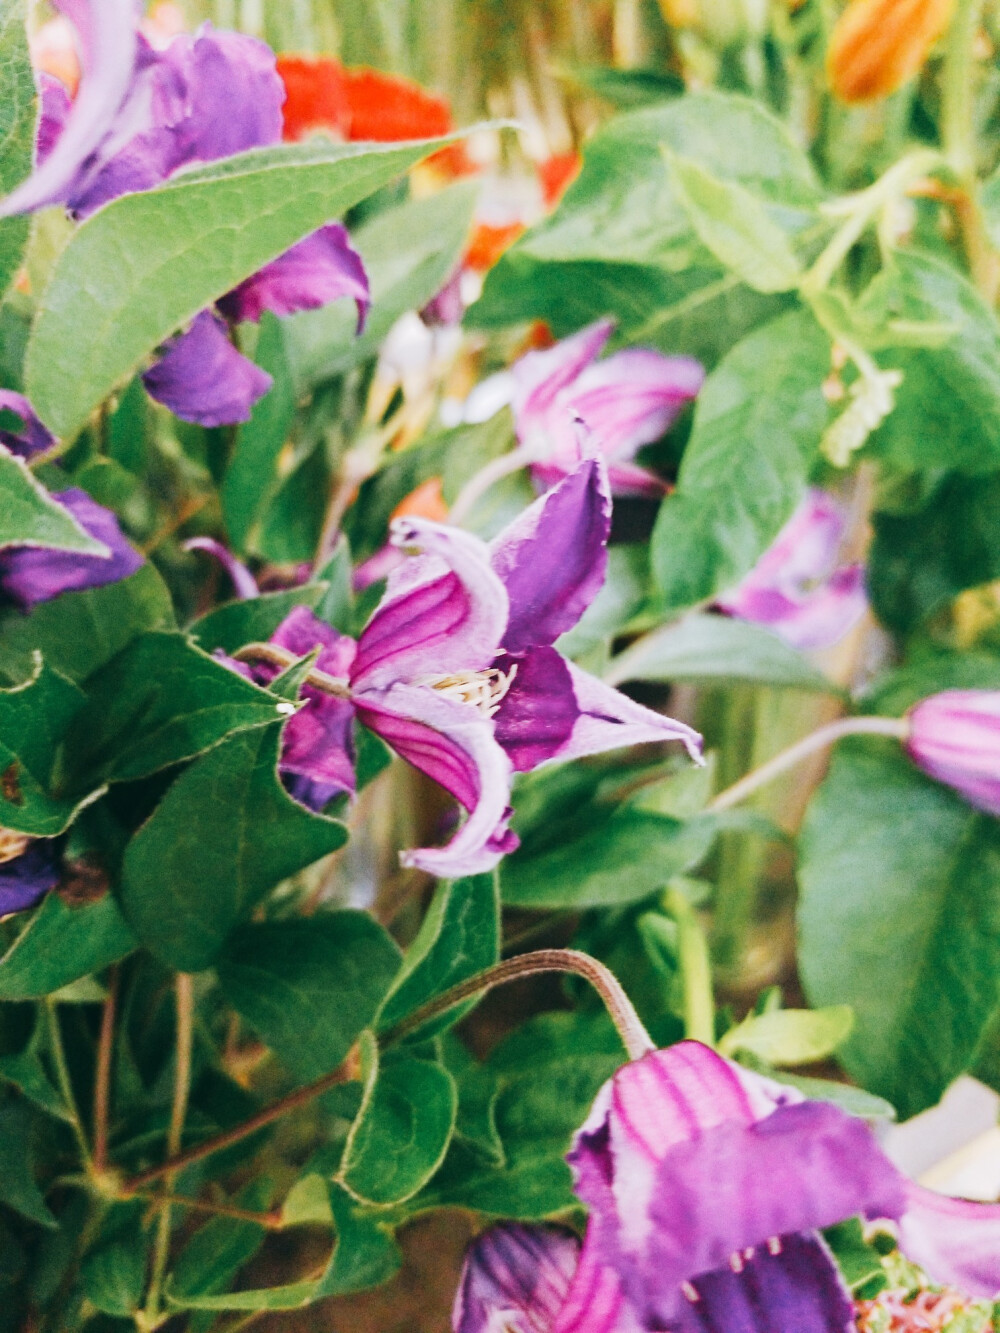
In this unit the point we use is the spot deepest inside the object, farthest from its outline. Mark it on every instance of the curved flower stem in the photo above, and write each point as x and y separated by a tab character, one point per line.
696	969
635	1038
102	1076
817	740
184	992
63	1079
478	484
280	657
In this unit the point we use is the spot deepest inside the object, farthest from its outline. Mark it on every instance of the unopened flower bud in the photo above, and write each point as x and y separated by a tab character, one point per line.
955	738
877	45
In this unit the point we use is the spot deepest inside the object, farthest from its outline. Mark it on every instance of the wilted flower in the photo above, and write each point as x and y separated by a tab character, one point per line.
707	1186
955	737
876	45
796	588
457	672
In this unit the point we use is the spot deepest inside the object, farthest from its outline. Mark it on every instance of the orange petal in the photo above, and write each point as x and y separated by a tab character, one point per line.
386	108
877	45
316	98
557	174
427	501
489	242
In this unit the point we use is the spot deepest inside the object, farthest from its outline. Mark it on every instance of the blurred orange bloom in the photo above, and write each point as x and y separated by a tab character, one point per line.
878	44
361	104
557	174
316	96
427	501
489	242
53	51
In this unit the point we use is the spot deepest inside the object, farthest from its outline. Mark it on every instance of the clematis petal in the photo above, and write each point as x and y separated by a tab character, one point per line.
609	720
595	1302
955	738
244	583
553	558
956	1242
816	619
515	1278
29	575
109	40
235	94
633	397
444	612
33	438
536	716
539	377
26	878
201	377
322	268
453	744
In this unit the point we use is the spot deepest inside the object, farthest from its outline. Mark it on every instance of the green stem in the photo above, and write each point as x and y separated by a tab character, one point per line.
817	740
478	484
65	1086
696	969
958	90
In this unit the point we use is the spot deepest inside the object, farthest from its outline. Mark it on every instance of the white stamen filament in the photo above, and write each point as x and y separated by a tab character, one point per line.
690	1292
483	690
12	844
736	1263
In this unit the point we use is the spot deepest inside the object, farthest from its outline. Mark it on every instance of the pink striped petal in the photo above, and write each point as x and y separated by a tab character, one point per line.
515	1278
956	1242
540	377
955	738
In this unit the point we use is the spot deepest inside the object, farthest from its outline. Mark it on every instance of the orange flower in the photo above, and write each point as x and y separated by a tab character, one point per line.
427	501
387	108
316	96
489	242
557	174
878	44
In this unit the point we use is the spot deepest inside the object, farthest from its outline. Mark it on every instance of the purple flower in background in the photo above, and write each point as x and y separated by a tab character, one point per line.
144	114
955	737
28	870
244	583
456	669
32	438
627	400
796	589
706	1186
515	1278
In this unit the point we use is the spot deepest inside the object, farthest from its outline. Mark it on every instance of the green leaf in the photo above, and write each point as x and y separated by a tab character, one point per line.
308	988
209	229
323	343
947	412
627	89
17	131
33	722
791	1036
231	626
403	1128
900	918
113	1277
921	561
218	1250
18	1189
29	516
60	944
364	1256
27	1072
223	836
459	936
80	631
160	701
705	647
735	226
757	424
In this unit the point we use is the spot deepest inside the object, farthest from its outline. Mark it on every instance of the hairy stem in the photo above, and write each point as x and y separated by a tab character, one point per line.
102	1076
817	740
280	657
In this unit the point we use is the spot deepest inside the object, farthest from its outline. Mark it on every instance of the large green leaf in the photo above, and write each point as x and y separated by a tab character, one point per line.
60	945
703	647
308	988
18	1189
756	434
17	131
225	833
403	1129
409	252
218	1250
160	701
231	626
29	516
209	229
459	936
900	918
33	722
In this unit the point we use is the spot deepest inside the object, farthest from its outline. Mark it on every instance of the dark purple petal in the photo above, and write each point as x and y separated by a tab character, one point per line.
25	878
322	268
539	711
515	1278
29	575
244	583
955	737
553	558
314	796
301	632
235	94
453	744
109	41
53	114
792	1286
956	1242
443	612
33	438
201	377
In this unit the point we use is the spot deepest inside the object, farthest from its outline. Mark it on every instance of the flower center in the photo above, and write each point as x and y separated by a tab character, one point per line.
12	844
904	1311
483	690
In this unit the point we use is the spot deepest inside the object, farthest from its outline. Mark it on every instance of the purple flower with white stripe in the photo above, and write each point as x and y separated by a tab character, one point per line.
796	588
954	736
457	673
707	1186
627	400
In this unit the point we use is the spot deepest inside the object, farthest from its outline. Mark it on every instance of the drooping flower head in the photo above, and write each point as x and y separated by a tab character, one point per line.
707	1186
796	588
457	671
955	737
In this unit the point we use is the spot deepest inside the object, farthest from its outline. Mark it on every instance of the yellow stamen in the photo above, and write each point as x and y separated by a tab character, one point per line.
483	690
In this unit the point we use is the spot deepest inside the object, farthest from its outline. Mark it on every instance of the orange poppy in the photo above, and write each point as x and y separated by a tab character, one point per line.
359	104
316	96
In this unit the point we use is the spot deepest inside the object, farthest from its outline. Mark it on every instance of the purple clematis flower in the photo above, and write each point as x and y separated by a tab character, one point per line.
627	400
29	868
457	673
796	589
954	736
32	438
244	583
141	116
707	1185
